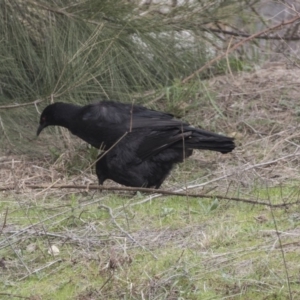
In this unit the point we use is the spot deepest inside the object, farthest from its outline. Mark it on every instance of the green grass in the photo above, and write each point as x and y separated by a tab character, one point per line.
182	248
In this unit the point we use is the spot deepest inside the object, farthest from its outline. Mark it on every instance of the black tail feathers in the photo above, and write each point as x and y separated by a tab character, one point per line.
210	141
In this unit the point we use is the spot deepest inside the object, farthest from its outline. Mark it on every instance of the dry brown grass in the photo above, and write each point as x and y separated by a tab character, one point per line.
260	109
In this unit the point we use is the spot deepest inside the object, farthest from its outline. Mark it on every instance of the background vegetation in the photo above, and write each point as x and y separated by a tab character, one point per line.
175	56
123	50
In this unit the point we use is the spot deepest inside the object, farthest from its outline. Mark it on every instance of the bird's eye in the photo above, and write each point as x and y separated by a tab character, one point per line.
43	119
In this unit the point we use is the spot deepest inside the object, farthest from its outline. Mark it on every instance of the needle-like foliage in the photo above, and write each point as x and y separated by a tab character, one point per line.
61	50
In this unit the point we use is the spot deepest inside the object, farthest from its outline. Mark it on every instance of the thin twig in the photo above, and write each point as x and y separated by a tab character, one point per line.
124	231
24	230
262	37
158	193
105	152
259	165
20	105
4	221
40	269
48	187
4	131
281	250
16	253
14	296
106	281
237	45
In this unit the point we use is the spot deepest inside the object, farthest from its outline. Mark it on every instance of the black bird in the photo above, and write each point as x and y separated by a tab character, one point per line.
142	144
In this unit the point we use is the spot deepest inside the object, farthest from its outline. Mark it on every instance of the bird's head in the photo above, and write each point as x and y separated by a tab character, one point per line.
51	115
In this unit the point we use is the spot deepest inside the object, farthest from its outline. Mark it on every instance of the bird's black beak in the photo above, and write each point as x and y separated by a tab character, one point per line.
41	127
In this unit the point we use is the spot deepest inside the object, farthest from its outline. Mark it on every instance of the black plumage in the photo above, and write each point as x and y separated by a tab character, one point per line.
142	145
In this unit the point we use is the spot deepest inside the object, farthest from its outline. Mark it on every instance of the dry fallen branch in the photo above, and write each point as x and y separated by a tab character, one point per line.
158	193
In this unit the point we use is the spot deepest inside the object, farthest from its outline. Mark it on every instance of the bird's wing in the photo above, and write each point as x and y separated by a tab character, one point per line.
107	112
156	123
185	137
157	141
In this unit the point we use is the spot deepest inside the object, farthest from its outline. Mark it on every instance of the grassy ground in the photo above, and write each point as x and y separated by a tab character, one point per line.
166	248
79	244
